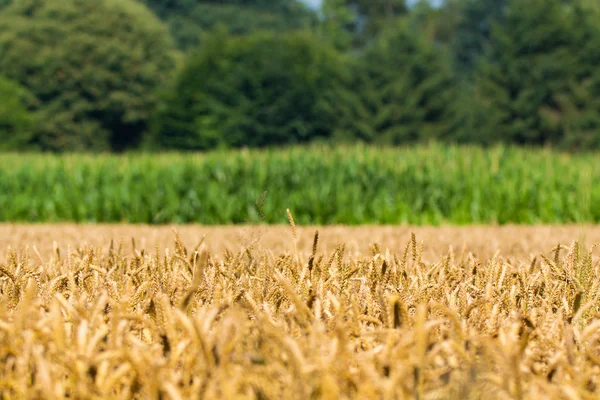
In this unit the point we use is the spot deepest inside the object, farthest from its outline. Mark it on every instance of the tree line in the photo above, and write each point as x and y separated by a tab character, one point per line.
115	75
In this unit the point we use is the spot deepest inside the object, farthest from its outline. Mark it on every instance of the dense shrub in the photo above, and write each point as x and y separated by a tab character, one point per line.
257	90
92	64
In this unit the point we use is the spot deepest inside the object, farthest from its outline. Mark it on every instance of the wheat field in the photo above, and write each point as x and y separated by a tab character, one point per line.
90	312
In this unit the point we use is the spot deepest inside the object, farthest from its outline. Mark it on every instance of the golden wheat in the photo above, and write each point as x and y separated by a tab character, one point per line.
91	323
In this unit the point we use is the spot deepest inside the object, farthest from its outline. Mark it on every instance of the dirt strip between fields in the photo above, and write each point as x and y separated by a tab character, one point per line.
483	241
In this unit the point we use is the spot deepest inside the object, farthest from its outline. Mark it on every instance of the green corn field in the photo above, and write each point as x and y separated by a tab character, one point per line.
429	184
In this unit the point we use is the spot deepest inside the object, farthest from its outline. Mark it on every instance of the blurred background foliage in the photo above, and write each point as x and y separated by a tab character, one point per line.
256	90
116	75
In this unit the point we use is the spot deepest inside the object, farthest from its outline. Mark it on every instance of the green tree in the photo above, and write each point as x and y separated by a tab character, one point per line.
525	83
94	66
407	90
257	90
362	20
375	14
169	7
192	20
16	119
438	23
338	23
164	8
589	6
473	30
581	108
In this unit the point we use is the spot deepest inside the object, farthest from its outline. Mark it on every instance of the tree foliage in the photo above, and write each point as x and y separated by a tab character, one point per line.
191	20
473	30
372	16
92	64
581	108
97	74
257	90
528	83
359	22
16	119
169	7
406	90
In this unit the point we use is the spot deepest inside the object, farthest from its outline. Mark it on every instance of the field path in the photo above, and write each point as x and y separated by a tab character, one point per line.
483	241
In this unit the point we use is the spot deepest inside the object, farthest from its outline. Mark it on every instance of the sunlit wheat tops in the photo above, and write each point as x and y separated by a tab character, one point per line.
178	324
